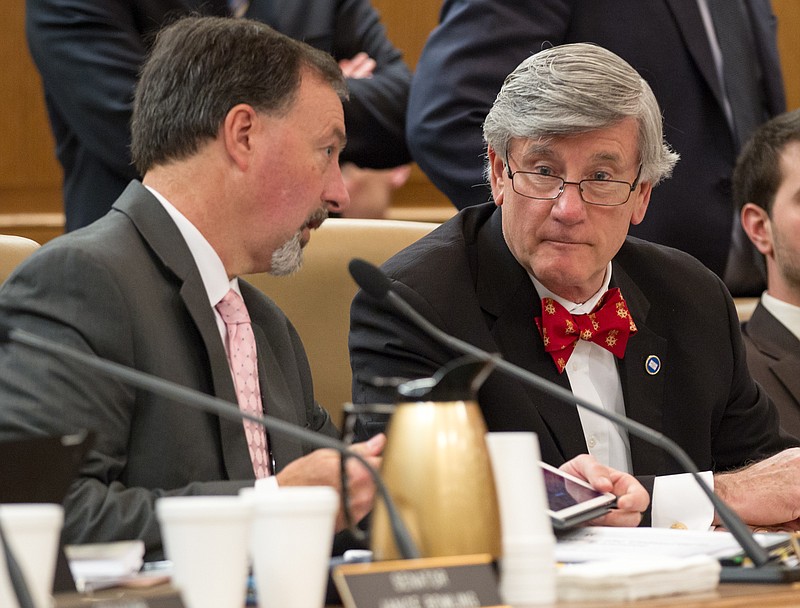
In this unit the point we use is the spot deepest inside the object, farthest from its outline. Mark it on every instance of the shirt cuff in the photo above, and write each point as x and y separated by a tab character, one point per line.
679	502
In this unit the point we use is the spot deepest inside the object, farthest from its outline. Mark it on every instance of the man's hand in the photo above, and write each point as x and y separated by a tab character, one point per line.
322	468
360	66
632	498
766	493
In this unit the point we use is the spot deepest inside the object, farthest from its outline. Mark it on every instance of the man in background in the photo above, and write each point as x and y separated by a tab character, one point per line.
766	187
89	53
712	64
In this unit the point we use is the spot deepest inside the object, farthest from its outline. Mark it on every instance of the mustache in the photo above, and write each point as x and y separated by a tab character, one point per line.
319	216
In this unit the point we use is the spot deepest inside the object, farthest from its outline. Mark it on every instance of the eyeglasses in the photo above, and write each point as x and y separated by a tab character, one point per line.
602	192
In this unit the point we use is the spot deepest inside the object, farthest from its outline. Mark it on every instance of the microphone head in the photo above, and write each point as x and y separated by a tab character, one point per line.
369	278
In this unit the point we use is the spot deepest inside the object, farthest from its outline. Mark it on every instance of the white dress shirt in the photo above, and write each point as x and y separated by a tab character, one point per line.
677	501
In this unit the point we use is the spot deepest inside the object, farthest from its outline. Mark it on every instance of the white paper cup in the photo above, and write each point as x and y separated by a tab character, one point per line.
32	531
292	538
527	569
206	538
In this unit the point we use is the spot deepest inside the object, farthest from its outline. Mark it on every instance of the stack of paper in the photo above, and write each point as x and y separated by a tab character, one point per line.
604	543
629	580
95	564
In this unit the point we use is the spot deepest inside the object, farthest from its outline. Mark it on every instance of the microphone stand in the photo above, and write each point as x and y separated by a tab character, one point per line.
221	408
374	282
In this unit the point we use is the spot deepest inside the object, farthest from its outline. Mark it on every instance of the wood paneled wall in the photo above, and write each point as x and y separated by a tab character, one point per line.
30	177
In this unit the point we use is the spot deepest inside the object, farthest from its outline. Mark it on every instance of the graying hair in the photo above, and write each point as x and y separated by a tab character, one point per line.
576	88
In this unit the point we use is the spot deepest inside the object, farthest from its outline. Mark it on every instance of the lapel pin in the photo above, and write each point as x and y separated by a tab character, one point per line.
652	365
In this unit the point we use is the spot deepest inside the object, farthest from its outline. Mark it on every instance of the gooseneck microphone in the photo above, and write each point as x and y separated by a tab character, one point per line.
221	408
375	283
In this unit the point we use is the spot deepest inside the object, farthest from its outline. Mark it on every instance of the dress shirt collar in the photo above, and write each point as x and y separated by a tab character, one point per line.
575	308
212	272
786	313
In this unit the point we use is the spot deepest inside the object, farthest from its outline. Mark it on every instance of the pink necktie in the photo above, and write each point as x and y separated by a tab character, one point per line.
242	358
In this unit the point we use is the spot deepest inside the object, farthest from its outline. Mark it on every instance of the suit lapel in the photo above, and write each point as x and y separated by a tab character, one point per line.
773	339
506	293
166	242
690	23
643	390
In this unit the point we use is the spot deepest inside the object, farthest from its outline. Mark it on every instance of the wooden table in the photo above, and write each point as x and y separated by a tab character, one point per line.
727	595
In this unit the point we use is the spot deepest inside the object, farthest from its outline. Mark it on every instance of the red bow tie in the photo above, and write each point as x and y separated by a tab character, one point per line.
608	325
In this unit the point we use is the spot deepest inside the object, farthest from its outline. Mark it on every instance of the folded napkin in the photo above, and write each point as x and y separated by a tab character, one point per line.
628	580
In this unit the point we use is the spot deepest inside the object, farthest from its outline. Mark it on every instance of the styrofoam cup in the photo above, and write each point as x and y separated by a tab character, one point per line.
206	539
527	570
32	531
292	538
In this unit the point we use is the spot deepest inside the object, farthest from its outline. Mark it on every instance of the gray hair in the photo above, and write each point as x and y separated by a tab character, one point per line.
575	88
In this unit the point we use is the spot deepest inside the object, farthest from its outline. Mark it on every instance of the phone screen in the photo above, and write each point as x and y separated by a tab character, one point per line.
563	493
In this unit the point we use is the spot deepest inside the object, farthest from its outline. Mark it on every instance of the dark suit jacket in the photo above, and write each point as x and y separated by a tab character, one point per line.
463	278
479	42
773	355
88	53
127	289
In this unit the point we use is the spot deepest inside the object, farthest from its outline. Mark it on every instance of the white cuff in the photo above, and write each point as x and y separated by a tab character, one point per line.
679	502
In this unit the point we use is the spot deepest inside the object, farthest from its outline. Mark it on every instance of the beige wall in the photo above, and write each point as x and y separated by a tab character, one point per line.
30	177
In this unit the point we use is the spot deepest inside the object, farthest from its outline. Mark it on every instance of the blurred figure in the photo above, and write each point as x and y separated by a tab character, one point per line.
371	189
712	64
89	53
766	186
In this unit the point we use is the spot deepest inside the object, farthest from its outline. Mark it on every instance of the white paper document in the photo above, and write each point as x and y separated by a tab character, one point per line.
605	543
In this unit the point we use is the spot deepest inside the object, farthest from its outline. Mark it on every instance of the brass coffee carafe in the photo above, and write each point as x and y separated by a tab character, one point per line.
436	467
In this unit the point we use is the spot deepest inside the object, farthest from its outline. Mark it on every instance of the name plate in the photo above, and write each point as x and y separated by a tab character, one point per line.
464	581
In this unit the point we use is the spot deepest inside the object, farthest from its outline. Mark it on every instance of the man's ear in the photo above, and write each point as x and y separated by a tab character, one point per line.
641	200
498	178
237	133
758	227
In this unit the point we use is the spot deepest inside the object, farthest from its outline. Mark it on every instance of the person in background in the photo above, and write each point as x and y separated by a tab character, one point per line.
89	53
237	130
547	277
766	187
712	64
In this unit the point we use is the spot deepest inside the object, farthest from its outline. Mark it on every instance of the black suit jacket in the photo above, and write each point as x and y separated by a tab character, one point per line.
479	42
773	354
89	52
127	289
463	278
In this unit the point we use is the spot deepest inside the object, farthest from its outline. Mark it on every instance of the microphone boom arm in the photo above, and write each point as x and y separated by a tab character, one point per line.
223	409
732	521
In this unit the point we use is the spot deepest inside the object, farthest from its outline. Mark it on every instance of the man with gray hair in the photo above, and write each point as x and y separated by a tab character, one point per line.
546	276
237	130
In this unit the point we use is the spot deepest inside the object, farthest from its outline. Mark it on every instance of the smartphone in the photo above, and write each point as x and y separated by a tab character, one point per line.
572	501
